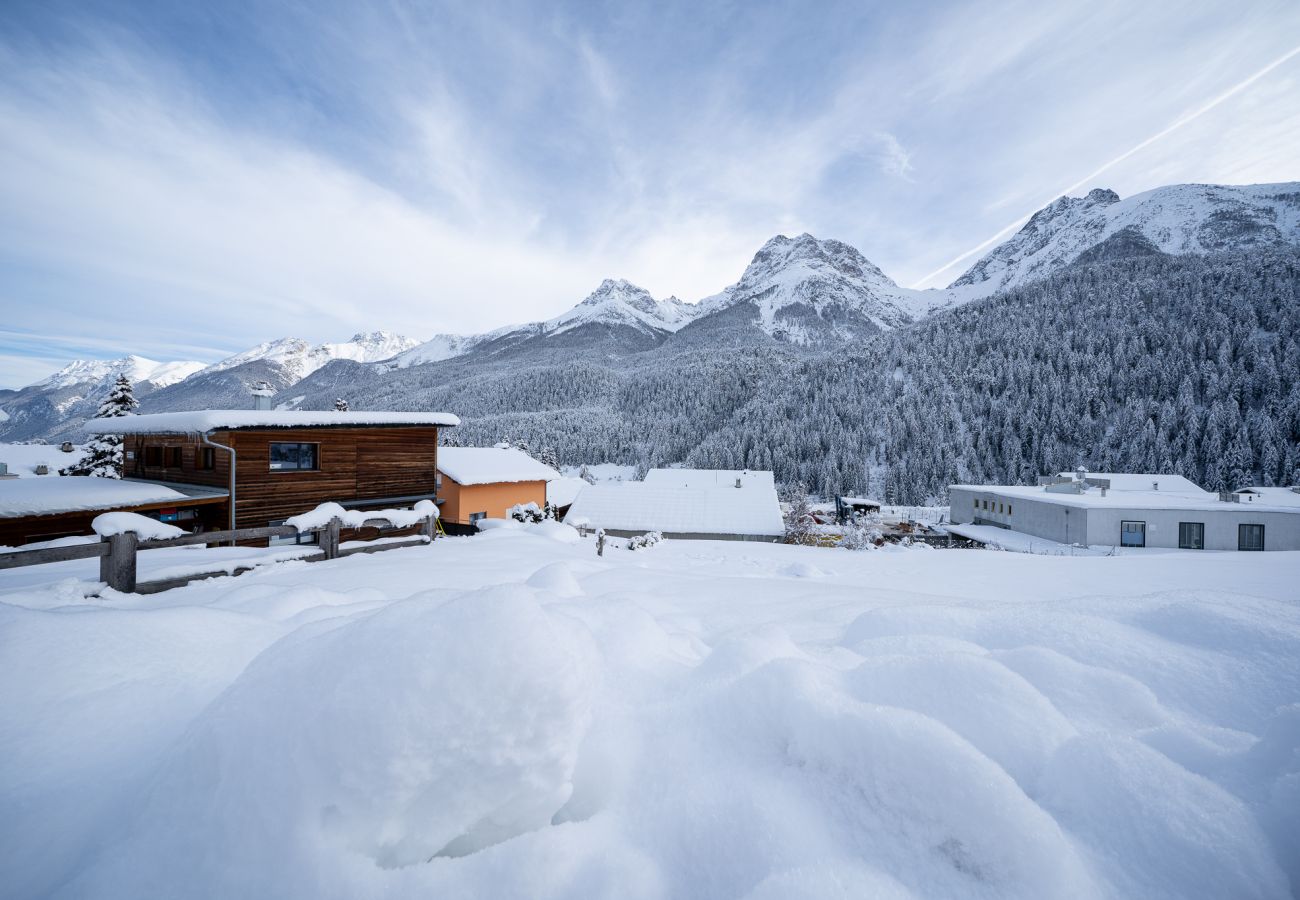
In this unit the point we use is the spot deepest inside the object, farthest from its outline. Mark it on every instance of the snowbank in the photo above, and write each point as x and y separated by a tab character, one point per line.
145	528
712	719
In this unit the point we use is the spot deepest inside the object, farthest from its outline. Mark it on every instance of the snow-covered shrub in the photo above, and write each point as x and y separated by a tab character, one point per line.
644	541
528	513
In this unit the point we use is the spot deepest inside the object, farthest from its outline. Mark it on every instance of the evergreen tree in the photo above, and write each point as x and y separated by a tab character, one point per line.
341	405
103	454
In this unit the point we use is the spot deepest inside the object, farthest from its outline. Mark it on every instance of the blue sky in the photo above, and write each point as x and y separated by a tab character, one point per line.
186	180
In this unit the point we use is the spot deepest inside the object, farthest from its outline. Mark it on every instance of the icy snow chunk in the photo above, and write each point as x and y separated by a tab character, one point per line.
145	528
429	727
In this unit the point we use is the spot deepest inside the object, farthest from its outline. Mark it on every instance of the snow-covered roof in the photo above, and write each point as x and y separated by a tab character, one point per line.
491	465
50	495
563	491
639	506
1128	491
700	478
1145	481
202	420
1272	496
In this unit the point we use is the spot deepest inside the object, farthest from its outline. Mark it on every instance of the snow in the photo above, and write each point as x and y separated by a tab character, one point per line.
1135	492
299	358
709	478
137	368
49	495
638	506
356	518
22	459
564	490
710	719
491	465
143	527
1019	542
1181	218
619	302
203	420
602	472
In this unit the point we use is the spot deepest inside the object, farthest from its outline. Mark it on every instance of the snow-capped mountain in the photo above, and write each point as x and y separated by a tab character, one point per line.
137	368
619	302
299	359
1182	218
810	292
617	306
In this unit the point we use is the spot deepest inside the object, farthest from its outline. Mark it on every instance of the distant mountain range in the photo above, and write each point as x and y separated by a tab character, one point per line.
797	295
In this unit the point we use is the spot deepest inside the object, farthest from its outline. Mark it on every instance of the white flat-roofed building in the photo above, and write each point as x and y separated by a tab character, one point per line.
1133	510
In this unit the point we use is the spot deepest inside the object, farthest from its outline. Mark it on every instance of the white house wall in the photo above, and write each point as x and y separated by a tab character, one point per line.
1100	525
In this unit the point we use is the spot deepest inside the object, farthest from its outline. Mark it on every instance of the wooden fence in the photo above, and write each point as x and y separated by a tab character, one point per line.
118	554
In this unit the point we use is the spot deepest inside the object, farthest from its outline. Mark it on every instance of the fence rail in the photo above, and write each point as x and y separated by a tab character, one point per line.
119	553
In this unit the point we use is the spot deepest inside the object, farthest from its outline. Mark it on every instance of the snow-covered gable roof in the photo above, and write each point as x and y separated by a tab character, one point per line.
50	495
700	478
204	420
639	506
491	465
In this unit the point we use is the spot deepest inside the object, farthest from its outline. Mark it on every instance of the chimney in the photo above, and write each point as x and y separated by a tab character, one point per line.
262	395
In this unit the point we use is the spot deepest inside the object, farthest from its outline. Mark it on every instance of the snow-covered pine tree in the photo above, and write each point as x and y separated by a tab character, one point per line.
341	405
103	455
799	520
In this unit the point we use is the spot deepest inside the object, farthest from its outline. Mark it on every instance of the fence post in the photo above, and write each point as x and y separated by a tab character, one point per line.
330	539
117	567
431	527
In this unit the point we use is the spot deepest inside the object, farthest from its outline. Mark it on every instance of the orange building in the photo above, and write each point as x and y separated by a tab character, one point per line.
484	482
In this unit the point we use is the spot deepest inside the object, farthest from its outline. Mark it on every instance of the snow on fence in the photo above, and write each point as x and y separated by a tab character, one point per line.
122	538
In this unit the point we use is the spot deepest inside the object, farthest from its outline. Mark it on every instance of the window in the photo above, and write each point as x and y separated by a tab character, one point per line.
474	517
1250	537
292	457
1008	509
1132	534
312	537
153	456
1191	535
175	457
207	458
977	505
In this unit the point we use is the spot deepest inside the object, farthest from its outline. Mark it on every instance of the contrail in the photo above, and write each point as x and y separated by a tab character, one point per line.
1190	117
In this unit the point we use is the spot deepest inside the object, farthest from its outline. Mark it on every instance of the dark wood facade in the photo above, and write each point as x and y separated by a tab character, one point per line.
208	513
358	466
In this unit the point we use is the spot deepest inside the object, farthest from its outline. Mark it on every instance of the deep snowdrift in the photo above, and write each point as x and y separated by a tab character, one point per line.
510	716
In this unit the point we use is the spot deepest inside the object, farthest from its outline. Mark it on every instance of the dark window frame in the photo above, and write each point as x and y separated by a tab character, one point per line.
1184	542
314	467
1241	534
175	457
1123	531
153	456
207	460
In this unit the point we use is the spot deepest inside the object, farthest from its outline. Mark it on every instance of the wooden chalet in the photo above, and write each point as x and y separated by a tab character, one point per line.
273	464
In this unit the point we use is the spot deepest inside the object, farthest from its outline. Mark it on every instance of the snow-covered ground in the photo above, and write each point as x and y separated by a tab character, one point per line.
509	715
22	459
